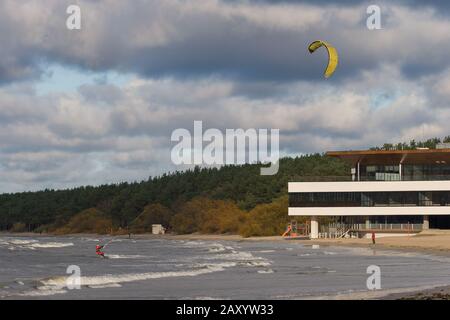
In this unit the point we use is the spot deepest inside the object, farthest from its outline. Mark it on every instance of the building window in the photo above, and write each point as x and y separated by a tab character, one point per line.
369	199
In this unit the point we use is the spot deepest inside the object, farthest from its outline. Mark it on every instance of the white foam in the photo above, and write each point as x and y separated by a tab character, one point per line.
265	271
217	249
241	256
32	244
306	254
262	263
111	285
90	239
41	292
58	283
123	256
22	242
51	245
193	244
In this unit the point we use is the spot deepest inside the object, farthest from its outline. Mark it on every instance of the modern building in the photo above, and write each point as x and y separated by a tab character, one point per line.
386	192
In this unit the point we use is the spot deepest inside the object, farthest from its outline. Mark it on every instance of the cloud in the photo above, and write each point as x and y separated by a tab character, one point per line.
248	40
70	139
231	64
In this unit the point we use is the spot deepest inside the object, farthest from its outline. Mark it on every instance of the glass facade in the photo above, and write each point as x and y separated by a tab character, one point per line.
426	172
380	173
369	199
409	172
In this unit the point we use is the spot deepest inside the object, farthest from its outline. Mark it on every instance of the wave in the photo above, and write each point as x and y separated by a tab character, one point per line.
41	292
217	249
51	245
228	253
193	244
21	242
58	283
104	286
124	256
31	244
266	271
235	256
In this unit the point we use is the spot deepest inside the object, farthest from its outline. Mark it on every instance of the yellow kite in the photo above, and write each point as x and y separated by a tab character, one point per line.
332	56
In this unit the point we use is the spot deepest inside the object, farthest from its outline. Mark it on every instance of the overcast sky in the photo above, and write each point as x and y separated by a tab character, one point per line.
98	105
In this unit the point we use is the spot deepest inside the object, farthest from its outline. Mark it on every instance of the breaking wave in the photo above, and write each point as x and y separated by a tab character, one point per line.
58	283
124	256
51	245
266	271
31	244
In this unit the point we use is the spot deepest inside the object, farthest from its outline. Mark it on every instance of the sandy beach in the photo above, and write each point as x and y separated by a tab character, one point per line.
432	241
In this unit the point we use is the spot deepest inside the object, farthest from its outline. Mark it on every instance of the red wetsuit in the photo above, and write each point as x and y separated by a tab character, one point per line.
98	250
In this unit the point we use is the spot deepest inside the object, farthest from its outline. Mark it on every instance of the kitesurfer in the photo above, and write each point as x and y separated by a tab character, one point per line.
98	250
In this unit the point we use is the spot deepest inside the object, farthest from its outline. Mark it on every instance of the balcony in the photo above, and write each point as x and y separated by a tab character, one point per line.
357	230
369	178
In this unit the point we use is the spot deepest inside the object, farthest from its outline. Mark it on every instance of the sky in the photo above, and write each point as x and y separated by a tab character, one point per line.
98	105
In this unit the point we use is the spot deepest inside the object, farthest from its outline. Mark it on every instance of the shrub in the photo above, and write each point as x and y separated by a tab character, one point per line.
207	216
19	227
152	214
266	219
88	221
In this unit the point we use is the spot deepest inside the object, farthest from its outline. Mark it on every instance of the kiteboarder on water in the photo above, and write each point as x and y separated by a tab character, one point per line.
98	250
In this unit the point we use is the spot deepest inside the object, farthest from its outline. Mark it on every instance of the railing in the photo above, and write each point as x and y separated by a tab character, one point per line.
334	230
365	178
433	177
321	178
388	226
341	228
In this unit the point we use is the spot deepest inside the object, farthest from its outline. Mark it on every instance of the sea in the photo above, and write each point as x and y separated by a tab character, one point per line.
68	268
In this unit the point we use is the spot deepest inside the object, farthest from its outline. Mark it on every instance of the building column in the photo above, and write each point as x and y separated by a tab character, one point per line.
359	170
426	223
367	222
353	171
314	228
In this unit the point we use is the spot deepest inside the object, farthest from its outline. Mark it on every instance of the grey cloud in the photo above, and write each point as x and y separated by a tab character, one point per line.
242	40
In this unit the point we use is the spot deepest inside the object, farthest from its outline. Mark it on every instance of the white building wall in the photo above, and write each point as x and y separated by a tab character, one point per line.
368	211
369	186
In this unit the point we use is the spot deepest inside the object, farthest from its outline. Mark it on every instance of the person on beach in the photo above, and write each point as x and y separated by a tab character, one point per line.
373	237
98	250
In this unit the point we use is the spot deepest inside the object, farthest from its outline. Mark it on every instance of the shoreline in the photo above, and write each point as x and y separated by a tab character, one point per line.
417	244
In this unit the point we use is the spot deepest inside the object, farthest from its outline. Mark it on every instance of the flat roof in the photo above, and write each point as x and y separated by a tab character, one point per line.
417	156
